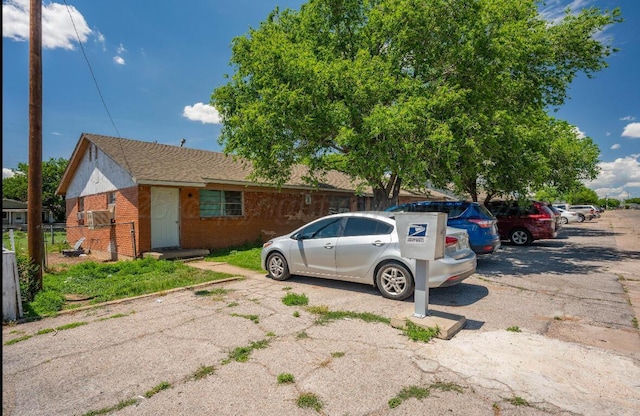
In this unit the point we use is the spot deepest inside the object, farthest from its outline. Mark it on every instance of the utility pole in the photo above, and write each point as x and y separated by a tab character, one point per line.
35	234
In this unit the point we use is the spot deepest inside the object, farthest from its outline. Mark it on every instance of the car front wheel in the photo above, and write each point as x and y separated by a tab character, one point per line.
277	267
520	237
394	281
565	221
580	218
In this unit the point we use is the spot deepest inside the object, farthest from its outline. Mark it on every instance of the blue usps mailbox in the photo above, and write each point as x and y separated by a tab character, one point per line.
421	237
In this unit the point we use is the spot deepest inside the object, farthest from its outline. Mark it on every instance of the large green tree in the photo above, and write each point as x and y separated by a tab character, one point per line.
396	93
16	187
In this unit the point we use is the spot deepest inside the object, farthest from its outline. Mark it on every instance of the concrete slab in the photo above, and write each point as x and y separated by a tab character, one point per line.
176	253
448	323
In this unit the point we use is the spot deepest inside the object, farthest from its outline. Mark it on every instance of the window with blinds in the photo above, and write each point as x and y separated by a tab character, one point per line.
220	203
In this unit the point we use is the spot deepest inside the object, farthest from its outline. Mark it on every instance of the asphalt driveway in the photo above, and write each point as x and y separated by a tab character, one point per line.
573	300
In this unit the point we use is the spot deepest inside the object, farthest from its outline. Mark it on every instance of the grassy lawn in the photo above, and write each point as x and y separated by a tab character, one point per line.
53	243
95	282
247	256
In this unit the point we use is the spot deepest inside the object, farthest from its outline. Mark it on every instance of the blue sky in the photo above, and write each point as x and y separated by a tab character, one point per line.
155	64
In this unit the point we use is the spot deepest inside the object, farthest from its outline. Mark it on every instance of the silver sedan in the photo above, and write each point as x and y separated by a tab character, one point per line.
363	247
569	216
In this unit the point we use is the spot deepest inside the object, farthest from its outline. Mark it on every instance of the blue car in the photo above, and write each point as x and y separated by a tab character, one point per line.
480	223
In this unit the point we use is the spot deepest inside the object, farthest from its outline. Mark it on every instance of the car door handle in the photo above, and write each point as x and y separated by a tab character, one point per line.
378	243
328	246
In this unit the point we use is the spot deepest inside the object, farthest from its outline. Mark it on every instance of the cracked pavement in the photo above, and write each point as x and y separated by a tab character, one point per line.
577	353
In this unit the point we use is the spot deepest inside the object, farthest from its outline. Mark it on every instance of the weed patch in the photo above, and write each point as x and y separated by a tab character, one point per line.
418	333
285	378
254	318
203	372
517	401
162	386
241	354
514	329
325	315
294	299
309	401
406	393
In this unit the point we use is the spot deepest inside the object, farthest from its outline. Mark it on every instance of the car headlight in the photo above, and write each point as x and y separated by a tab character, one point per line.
267	244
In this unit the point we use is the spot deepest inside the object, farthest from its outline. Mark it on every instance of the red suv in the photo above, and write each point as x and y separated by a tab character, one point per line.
522	223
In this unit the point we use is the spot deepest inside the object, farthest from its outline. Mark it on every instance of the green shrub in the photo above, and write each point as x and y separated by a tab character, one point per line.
28	277
48	302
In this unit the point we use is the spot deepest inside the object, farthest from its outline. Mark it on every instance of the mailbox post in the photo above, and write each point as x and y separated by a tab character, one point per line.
421	237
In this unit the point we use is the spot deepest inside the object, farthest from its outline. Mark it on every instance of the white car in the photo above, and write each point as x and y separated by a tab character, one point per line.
363	247
569	216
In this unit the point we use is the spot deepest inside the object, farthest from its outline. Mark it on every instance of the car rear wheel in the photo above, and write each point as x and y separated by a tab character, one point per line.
277	267
520	237
394	281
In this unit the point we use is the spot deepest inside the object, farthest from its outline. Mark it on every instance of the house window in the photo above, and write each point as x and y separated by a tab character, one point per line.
81	204
111	198
220	203
338	204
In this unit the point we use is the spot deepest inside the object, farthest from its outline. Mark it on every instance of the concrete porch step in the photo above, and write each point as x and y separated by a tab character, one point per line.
176	253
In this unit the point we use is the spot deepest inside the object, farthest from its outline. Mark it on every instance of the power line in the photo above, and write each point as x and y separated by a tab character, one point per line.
95	81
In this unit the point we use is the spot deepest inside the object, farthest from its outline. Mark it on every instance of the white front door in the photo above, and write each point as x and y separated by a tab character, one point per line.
165	219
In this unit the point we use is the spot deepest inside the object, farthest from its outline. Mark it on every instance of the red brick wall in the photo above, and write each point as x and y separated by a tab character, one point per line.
111	242
267	213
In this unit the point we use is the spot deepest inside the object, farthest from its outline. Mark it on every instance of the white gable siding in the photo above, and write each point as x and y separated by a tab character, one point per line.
97	173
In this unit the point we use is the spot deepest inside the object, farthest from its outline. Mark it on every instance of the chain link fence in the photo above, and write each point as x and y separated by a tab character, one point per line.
67	245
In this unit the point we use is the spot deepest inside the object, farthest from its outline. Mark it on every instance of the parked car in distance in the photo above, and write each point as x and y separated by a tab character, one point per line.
363	247
480	224
523	224
586	212
569	216
557	215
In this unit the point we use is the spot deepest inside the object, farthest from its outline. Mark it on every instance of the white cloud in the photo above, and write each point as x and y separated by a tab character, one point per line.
203	113
618	179
632	130
7	173
119	60
628	118
121	49
615	146
58	31
579	133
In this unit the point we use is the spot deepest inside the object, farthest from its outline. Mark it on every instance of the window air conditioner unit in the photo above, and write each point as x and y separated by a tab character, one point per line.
81	216
99	218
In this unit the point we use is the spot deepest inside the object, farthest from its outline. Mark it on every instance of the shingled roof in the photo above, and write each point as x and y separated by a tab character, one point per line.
154	163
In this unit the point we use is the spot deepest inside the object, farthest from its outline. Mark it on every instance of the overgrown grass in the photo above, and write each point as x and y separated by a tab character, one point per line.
246	256
101	282
325	315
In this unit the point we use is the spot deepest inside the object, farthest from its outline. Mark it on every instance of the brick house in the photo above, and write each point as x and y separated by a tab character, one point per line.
128	197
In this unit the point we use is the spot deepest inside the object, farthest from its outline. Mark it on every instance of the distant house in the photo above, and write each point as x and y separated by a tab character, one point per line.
14	214
129	197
